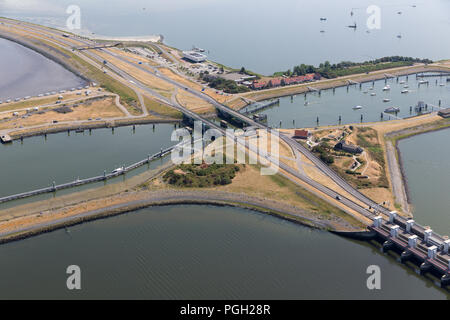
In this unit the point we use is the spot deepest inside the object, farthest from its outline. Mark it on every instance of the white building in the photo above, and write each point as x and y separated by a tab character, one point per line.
194	56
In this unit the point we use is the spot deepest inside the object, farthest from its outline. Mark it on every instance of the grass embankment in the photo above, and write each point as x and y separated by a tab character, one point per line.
201	176
367	138
127	95
161	109
273	189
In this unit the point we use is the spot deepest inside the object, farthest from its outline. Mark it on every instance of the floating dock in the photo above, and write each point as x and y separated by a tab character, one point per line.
5	138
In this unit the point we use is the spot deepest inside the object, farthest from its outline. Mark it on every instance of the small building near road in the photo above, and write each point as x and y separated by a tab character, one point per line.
444	113
350	148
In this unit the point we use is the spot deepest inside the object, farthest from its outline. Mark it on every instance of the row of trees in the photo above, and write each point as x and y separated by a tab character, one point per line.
328	70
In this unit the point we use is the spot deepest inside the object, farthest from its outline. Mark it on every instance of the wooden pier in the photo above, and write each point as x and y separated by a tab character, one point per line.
79	182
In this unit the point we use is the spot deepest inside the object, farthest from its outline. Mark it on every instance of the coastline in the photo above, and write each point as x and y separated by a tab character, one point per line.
179	198
46	54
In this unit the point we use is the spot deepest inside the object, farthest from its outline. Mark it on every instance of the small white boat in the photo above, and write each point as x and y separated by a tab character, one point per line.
402	82
364	92
423	81
442	84
386	88
386	100
306	103
405	91
373	94
392	110
357	107
118	170
406	87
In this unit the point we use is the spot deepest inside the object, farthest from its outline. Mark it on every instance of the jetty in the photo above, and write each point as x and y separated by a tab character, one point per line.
258	106
79	182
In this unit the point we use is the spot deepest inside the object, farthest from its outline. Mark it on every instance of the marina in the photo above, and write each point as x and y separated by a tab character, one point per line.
331	105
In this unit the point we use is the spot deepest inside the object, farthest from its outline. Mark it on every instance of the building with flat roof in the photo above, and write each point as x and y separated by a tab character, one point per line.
194	56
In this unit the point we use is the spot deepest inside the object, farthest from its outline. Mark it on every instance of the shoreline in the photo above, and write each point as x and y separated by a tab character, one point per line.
133	206
7	36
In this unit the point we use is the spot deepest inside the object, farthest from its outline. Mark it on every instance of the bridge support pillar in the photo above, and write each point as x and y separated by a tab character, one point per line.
427	235
446	247
432	251
377	221
392	216
412	241
409	225
394	231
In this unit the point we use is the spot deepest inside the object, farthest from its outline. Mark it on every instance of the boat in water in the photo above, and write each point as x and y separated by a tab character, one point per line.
357	107
423	81
386	100
386	88
405	91
373	94
392	110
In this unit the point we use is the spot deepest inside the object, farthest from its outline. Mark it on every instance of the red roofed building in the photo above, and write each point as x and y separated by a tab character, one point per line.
258	85
275	82
301	134
310	76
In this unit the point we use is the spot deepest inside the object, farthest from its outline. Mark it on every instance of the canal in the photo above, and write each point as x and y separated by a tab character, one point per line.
426	165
